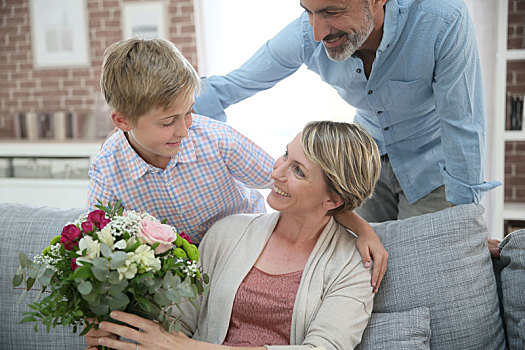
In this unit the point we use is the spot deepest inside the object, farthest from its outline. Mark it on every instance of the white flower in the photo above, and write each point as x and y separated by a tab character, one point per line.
106	237
128	270
145	256
131	241
120	245
92	248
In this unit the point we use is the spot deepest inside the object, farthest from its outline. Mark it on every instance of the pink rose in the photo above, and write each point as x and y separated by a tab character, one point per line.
74	264
87	227
70	236
98	217
152	232
186	237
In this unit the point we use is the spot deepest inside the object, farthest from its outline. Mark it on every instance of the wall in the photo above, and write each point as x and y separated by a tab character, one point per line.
515	150
71	90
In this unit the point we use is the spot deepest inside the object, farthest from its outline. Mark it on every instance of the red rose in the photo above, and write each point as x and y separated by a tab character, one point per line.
98	217
74	264
186	237
70	236
87	227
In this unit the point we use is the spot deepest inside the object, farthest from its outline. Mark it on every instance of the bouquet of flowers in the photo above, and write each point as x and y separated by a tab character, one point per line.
108	260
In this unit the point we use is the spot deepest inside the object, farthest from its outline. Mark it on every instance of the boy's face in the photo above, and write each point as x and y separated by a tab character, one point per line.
158	134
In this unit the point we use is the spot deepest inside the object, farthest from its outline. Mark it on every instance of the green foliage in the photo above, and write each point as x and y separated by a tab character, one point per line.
96	287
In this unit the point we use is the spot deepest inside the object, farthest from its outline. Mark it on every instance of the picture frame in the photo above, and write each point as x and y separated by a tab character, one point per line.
59	30
145	20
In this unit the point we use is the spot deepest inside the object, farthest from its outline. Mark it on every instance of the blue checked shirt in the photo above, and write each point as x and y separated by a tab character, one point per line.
211	177
423	101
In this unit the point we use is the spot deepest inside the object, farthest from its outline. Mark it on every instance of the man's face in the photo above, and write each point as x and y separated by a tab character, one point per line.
342	25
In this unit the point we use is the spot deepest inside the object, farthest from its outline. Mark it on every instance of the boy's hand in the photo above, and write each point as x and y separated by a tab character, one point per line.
371	249
368	244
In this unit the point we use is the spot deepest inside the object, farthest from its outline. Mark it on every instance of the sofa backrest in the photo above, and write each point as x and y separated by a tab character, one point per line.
28	229
441	261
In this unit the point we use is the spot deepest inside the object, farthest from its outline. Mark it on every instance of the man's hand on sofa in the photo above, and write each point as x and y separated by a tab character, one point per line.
493	247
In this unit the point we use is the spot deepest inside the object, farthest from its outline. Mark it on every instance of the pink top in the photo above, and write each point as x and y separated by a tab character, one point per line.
262	309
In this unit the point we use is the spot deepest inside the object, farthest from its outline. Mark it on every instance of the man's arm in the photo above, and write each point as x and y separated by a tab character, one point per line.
277	59
458	90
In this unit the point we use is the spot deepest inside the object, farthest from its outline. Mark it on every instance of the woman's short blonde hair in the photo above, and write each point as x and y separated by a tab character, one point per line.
348	157
142	74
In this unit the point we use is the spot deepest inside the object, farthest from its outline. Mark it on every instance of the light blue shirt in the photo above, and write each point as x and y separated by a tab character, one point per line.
423	102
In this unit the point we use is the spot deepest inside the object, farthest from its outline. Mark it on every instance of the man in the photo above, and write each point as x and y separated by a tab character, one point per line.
411	69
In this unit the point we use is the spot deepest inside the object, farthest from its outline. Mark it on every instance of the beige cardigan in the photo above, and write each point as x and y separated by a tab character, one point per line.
333	302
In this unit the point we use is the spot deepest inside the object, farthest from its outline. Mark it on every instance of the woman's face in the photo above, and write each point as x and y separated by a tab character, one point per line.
299	185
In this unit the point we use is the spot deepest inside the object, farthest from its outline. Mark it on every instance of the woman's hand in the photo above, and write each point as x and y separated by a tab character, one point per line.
150	336
93	335
370	246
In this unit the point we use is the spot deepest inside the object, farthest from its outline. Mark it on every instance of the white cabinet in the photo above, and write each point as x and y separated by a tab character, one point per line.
46	173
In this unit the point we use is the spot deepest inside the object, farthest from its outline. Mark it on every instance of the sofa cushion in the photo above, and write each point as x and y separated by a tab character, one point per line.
441	261
28	229
407	330
513	287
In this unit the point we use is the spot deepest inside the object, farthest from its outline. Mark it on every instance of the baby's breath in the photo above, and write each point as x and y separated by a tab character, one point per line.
48	261
190	269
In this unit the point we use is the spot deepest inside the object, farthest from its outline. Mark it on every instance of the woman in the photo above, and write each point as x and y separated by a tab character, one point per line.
293	277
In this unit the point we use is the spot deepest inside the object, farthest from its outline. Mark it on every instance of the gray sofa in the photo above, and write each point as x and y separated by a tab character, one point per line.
441	291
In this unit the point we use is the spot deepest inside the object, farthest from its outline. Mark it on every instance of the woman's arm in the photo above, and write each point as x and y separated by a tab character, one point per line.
151	336
368	245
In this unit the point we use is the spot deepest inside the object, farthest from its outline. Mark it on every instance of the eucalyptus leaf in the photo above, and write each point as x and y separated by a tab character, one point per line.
41	271
100	274
100	309
114	277
105	250
17	280
32	269
118	301
162	298
82	272
29	283
118	259
23	259
101	263
45	278
174	295
85	288
117	288
92	298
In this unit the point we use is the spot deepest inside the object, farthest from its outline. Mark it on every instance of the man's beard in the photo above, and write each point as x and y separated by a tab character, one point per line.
353	41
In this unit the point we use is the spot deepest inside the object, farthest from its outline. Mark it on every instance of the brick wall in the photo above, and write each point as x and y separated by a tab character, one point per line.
70	90
515	150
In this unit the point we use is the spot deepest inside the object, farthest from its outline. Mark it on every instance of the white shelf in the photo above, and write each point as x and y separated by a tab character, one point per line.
514	211
49	149
515	55
514	135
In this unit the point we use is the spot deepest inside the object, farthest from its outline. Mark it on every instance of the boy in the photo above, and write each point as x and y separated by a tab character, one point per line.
166	161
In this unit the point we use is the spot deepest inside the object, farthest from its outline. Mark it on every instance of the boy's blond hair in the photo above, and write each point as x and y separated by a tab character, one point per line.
348	157
139	75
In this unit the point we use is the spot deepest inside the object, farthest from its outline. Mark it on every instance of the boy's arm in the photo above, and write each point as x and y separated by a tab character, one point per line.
368	244
247	162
